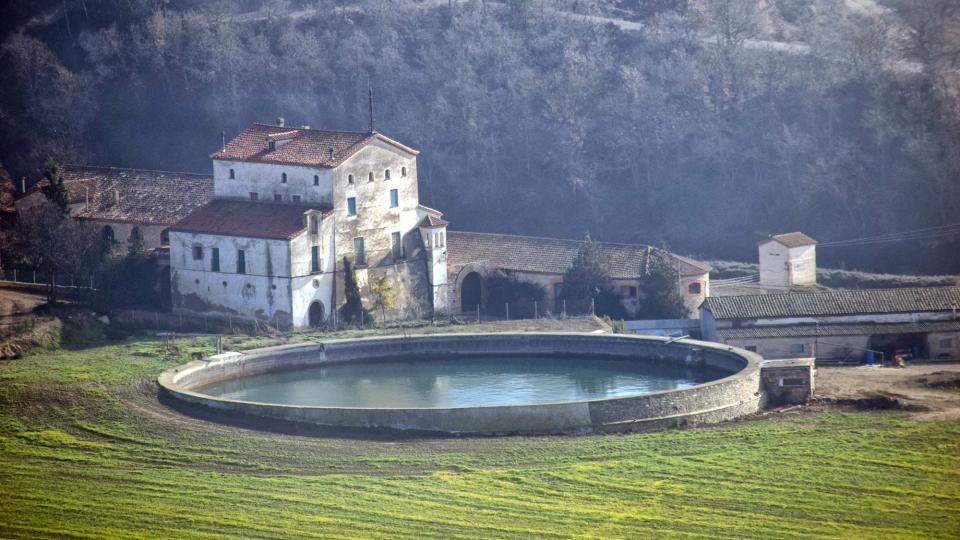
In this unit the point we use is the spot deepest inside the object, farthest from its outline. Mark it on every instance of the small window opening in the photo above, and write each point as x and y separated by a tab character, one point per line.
349	178
215	259
694	288
241	262
277	197
296	198
272	145
283	178
232	174
254	195
370	177
197	253
403	172
386	174
796	348
316	179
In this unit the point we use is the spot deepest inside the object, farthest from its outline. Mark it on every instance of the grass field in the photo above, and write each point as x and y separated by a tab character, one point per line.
86	451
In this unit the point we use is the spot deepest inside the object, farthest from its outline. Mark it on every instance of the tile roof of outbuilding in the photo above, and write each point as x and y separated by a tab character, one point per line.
304	146
836	302
431	220
145	196
810	330
551	255
247	219
791	239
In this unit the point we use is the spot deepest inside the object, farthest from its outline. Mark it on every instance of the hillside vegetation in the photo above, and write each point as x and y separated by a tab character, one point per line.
702	124
86	451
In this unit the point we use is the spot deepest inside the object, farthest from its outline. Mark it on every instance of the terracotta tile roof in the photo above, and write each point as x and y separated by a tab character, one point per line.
304	146
810	330
431	220
145	196
837	302
792	240
247	219
551	255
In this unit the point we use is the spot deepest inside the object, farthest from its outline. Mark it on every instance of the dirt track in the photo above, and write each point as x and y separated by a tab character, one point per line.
932	390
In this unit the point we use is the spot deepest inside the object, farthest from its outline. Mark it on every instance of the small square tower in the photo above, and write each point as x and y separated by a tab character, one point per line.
788	260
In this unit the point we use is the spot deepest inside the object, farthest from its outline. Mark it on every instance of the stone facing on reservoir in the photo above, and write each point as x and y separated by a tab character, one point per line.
719	400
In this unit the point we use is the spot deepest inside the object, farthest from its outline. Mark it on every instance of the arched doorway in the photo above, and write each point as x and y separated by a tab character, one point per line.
316	314
470	292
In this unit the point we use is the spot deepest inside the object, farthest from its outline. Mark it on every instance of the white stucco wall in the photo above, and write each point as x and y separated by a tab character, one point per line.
375	220
802	265
773	258
262	292
264	179
306	286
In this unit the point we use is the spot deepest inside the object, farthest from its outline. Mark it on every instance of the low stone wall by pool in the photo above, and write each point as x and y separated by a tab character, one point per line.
723	399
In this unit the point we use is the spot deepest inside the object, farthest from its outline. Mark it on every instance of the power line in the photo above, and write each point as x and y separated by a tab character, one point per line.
929	233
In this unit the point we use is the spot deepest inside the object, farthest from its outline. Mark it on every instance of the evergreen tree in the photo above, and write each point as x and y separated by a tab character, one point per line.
352	311
658	296
587	282
54	190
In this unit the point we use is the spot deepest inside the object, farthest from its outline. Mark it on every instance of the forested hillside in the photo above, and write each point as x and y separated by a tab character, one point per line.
704	124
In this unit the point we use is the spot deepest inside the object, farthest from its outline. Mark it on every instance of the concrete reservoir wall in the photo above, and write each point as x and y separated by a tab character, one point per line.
723	399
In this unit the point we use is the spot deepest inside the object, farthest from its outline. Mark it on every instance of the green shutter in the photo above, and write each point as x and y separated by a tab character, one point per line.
351	206
241	262
397	247
358	250
215	260
394	199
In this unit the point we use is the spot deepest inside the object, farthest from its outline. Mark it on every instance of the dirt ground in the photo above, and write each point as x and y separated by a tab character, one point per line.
931	390
14	302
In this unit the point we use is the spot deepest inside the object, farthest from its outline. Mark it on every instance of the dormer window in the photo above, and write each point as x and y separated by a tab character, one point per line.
283	178
271	145
370	177
386	174
403	172
233	175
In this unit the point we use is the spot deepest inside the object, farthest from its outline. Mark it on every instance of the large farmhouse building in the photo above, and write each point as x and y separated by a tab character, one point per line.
291	203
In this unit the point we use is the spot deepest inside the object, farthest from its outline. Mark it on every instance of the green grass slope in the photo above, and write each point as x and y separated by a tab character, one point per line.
86	451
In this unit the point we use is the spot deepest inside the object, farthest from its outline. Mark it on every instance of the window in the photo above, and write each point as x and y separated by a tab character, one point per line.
796	348
241	262
694	288
215	259
386	174
296	198
277	197
946	343
628	291
316	179
233	175
351	206
272	145
370	177
254	195
315	259
283	178
403	172
349	178
361	257
394	198
751	348
793	382
197	253
396	245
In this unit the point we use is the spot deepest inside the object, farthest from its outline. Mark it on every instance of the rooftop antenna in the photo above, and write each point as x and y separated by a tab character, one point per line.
223	141
370	94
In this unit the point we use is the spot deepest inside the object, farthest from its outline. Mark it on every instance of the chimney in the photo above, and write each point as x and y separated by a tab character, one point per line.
331	152
223	141
116	196
280	121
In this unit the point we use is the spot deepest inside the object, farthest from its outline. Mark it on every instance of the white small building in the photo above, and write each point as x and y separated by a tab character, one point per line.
788	260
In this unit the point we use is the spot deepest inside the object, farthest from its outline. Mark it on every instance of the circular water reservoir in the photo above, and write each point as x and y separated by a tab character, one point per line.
477	383
462	382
